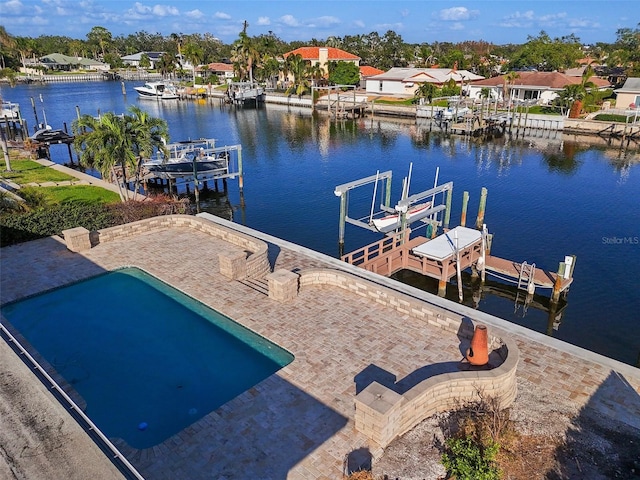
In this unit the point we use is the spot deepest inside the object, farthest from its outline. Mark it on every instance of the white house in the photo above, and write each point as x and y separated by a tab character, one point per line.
405	81
629	95
134	60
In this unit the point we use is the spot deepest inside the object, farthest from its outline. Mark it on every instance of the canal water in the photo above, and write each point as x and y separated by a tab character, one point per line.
549	195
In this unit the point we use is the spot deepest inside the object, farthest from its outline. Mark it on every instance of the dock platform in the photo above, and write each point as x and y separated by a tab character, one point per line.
511	269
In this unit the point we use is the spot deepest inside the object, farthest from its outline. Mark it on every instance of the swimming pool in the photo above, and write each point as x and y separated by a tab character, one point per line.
148	360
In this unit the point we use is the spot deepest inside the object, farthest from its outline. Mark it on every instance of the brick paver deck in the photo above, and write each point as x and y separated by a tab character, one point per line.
298	423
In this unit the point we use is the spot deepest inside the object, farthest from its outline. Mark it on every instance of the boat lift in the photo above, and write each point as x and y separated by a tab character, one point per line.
402	209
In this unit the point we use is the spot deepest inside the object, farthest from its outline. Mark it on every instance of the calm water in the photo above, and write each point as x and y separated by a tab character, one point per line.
148	374
549	196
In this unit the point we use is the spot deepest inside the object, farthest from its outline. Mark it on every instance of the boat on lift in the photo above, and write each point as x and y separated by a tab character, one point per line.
200	157
158	90
392	222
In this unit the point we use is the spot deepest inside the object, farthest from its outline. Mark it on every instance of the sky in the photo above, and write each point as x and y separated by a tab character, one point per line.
416	21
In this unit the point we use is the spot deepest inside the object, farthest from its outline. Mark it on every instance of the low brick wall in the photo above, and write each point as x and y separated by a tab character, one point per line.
383	414
257	263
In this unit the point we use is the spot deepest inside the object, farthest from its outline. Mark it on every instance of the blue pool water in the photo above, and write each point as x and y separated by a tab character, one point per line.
147	359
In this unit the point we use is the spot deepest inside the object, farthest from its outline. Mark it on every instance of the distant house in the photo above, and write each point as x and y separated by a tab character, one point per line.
629	95
405	81
541	86
65	63
134	60
321	56
224	71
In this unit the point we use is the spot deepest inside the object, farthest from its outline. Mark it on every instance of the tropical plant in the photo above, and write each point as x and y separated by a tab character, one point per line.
244	55
114	144
297	66
193	54
345	73
426	90
166	64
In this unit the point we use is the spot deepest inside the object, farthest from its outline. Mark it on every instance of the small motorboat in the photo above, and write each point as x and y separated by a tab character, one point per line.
391	222
186	158
158	91
49	136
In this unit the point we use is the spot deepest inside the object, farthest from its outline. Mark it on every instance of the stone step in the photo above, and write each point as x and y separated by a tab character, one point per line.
260	285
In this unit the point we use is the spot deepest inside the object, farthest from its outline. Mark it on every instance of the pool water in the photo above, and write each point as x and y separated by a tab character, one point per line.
148	360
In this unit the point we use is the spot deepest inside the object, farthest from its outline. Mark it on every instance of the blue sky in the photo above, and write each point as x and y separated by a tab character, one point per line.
497	21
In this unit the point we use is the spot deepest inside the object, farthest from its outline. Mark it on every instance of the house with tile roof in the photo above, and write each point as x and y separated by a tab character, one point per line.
66	63
403	81
629	95
224	71
321	56
541	86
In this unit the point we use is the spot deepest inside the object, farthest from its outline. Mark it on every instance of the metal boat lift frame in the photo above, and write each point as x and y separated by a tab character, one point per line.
401	207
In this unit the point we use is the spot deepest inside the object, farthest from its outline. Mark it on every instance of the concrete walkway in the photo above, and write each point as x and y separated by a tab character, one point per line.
298	424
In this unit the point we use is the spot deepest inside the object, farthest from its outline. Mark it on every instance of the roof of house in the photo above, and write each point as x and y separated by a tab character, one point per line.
217	67
551	80
137	56
631	85
61	59
368	71
426	75
313	53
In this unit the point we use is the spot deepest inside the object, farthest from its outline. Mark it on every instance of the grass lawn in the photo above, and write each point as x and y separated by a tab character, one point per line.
25	171
79	193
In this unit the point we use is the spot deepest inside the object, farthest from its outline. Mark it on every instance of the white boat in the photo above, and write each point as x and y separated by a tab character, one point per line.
391	222
9	110
158	90
186	158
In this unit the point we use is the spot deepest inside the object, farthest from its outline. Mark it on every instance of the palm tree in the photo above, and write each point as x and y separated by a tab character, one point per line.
245	55
166	64
114	144
298	67
193	54
426	90
509	80
315	72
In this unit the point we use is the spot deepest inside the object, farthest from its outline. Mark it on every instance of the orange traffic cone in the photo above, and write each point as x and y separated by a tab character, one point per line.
478	352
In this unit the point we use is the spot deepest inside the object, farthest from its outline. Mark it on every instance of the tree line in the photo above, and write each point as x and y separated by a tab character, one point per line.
261	57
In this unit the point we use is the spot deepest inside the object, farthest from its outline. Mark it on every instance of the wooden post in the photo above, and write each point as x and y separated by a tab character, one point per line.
447	212
458	269
555	295
465	201
481	207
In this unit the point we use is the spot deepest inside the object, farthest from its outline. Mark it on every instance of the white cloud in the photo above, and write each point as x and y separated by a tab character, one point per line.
165	11
12	7
327	21
264	21
290	20
195	14
404	12
222	16
456	26
359	23
457	14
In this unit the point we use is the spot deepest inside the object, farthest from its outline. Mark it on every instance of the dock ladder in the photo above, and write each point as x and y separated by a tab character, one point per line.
526	283
527	277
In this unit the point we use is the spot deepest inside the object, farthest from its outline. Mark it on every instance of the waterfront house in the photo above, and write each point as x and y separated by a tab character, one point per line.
134	59
541	86
320	56
401	81
224	71
367	71
63	63
629	95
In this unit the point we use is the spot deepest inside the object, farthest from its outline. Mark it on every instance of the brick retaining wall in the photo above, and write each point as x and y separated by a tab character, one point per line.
383	414
257	262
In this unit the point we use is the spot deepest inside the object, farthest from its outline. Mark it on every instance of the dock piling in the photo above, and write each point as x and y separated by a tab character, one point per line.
463	216
481	208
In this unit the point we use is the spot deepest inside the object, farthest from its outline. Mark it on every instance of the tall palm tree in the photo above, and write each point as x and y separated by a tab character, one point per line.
245	55
509	80
426	90
298	67
193	53
166	64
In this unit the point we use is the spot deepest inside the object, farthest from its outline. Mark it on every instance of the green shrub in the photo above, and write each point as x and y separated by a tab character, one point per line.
607	117
467	460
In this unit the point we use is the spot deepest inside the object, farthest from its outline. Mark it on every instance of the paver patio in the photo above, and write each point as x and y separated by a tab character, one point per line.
298	423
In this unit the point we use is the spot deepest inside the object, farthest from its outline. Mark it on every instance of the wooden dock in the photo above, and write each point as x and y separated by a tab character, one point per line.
439	257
